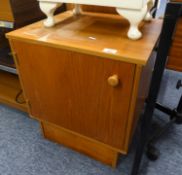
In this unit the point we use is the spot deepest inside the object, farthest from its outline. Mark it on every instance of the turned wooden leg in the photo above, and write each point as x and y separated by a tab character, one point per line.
150	4
134	17
48	8
77	9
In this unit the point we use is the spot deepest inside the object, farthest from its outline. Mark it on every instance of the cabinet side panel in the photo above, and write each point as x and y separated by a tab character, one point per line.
141	86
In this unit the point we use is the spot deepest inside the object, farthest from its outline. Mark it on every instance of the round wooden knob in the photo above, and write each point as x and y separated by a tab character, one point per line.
113	80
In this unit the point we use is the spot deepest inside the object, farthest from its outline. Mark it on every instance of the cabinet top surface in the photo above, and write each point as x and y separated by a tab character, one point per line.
94	34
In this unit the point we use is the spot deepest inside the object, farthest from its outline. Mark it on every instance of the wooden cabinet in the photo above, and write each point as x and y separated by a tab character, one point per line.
175	55
84	82
73	91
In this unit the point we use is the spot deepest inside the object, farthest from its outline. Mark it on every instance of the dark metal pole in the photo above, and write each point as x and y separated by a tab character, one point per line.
179	108
172	13
154	9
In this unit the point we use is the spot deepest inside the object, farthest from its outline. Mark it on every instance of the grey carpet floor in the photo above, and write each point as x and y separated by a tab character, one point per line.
23	150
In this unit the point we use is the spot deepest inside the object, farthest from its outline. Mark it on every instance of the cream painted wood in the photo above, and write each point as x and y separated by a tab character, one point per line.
133	11
49	8
150	4
77	10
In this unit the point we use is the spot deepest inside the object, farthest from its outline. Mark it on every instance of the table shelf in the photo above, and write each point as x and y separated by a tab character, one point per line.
9	90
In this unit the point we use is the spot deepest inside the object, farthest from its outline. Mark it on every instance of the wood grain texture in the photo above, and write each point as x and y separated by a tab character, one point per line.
71	90
175	55
6	11
83	145
175	59
97	32
66	74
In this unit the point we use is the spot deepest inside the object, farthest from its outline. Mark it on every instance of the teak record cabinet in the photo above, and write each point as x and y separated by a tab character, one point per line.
85	81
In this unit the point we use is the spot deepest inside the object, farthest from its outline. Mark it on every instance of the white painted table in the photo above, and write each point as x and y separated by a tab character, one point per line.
133	10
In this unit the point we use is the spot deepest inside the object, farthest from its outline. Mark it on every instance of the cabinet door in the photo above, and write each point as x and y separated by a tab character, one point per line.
71	90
